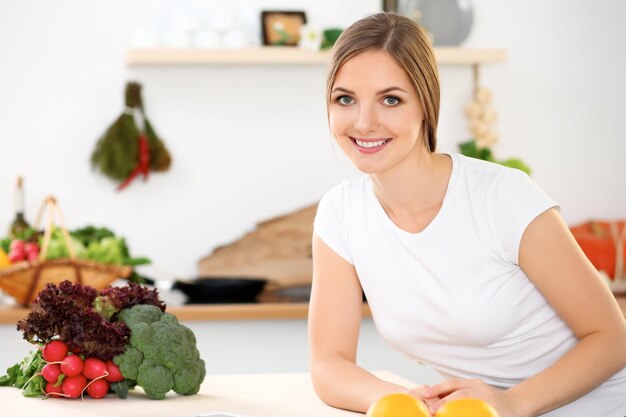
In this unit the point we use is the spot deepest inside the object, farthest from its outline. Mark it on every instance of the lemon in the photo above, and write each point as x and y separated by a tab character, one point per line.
398	405
4	260
466	407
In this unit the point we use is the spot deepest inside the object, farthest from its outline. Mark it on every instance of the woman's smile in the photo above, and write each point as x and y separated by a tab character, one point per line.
370	145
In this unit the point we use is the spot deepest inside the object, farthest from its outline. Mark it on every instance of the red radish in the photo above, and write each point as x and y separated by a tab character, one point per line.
98	388
31	247
114	372
72	365
73	386
54	351
16	256
53	391
33	256
94	368
17	244
51	373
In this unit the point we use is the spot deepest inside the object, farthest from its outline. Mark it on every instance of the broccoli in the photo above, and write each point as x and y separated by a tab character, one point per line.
162	355
129	363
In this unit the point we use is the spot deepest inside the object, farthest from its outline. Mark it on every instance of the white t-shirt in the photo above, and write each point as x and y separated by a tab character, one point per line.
453	295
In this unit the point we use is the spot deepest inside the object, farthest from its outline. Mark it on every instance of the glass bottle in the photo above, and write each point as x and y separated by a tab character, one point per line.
19	226
390	6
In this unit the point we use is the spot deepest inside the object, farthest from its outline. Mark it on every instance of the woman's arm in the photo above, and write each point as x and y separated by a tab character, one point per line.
558	267
334	323
552	259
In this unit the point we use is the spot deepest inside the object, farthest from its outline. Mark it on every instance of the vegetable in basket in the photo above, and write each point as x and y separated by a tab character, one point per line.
97	244
57	248
104	246
4	259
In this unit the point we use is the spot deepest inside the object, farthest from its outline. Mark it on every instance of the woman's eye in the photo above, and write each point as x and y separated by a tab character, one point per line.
344	100
391	101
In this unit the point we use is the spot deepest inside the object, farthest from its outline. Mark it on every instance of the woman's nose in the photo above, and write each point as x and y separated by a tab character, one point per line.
365	120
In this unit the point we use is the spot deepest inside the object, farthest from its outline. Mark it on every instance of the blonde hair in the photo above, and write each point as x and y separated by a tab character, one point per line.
406	42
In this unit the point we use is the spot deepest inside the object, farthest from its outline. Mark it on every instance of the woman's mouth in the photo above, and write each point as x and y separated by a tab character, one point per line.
369	145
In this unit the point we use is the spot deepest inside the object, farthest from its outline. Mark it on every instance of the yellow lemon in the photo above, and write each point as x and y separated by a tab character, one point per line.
466	407
398	405
4	260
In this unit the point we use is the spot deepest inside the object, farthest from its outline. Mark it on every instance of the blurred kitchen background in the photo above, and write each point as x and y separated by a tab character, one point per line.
251	142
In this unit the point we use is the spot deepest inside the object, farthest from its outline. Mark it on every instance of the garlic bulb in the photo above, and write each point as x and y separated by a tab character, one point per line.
481	117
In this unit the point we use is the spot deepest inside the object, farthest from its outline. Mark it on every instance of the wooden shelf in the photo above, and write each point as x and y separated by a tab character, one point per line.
259	311
9	315
287	55
199	312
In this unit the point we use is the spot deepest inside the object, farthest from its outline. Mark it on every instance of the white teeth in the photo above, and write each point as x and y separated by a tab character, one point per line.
370	144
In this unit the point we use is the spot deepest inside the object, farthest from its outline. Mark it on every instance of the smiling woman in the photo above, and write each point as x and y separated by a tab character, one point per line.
467	265
413	56
367	115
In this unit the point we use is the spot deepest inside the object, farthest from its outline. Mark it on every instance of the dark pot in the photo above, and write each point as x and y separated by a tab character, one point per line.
212	290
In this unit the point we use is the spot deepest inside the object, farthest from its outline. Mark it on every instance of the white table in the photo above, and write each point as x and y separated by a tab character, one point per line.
256	395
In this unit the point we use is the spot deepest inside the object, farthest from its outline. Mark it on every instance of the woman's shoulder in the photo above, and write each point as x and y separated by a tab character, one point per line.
345	197
486	174
335	213
349	189
479	167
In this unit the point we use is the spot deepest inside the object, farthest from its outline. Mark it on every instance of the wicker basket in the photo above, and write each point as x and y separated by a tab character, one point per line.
24	280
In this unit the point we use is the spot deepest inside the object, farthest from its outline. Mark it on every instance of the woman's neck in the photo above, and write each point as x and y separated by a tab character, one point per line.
412	192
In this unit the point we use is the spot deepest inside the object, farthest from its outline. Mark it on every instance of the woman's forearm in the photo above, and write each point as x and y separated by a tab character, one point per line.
342	384
578	372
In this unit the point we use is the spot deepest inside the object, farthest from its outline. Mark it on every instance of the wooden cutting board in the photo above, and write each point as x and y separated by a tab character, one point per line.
278	249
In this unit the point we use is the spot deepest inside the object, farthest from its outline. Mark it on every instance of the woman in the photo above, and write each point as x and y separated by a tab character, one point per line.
467	265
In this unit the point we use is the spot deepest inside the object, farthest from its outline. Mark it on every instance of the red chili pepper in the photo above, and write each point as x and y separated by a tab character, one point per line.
144	156
143	166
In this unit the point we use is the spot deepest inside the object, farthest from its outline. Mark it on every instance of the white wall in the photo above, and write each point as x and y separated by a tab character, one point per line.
259	346
251	142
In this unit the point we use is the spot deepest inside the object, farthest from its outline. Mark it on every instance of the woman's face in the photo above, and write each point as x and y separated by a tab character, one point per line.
374	112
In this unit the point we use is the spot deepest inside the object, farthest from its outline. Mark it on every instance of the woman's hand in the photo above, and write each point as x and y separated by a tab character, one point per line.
453	389
418	392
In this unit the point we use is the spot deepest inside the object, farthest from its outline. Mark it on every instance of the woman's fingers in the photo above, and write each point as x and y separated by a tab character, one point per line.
447	387
458	394
418	392
432	404
468	388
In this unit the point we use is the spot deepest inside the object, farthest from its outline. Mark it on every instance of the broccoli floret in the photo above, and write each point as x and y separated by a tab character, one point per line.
162	355
144	313
156	380
143	337
185	381
129	362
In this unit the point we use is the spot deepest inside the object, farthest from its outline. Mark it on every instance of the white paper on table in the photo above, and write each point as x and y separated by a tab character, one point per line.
219	415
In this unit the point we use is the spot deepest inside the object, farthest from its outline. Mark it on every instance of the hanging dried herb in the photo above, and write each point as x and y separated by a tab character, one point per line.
130	147
160	159
117	150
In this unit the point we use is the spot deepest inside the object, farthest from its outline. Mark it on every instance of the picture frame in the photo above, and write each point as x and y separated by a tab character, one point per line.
282	28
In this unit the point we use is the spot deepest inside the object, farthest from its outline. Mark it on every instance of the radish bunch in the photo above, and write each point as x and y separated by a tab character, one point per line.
68	375
23	251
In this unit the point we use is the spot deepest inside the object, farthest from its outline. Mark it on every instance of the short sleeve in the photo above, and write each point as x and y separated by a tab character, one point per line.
514	202
329	223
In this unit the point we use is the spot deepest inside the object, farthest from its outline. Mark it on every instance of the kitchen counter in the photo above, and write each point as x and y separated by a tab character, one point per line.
258	395
202	312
